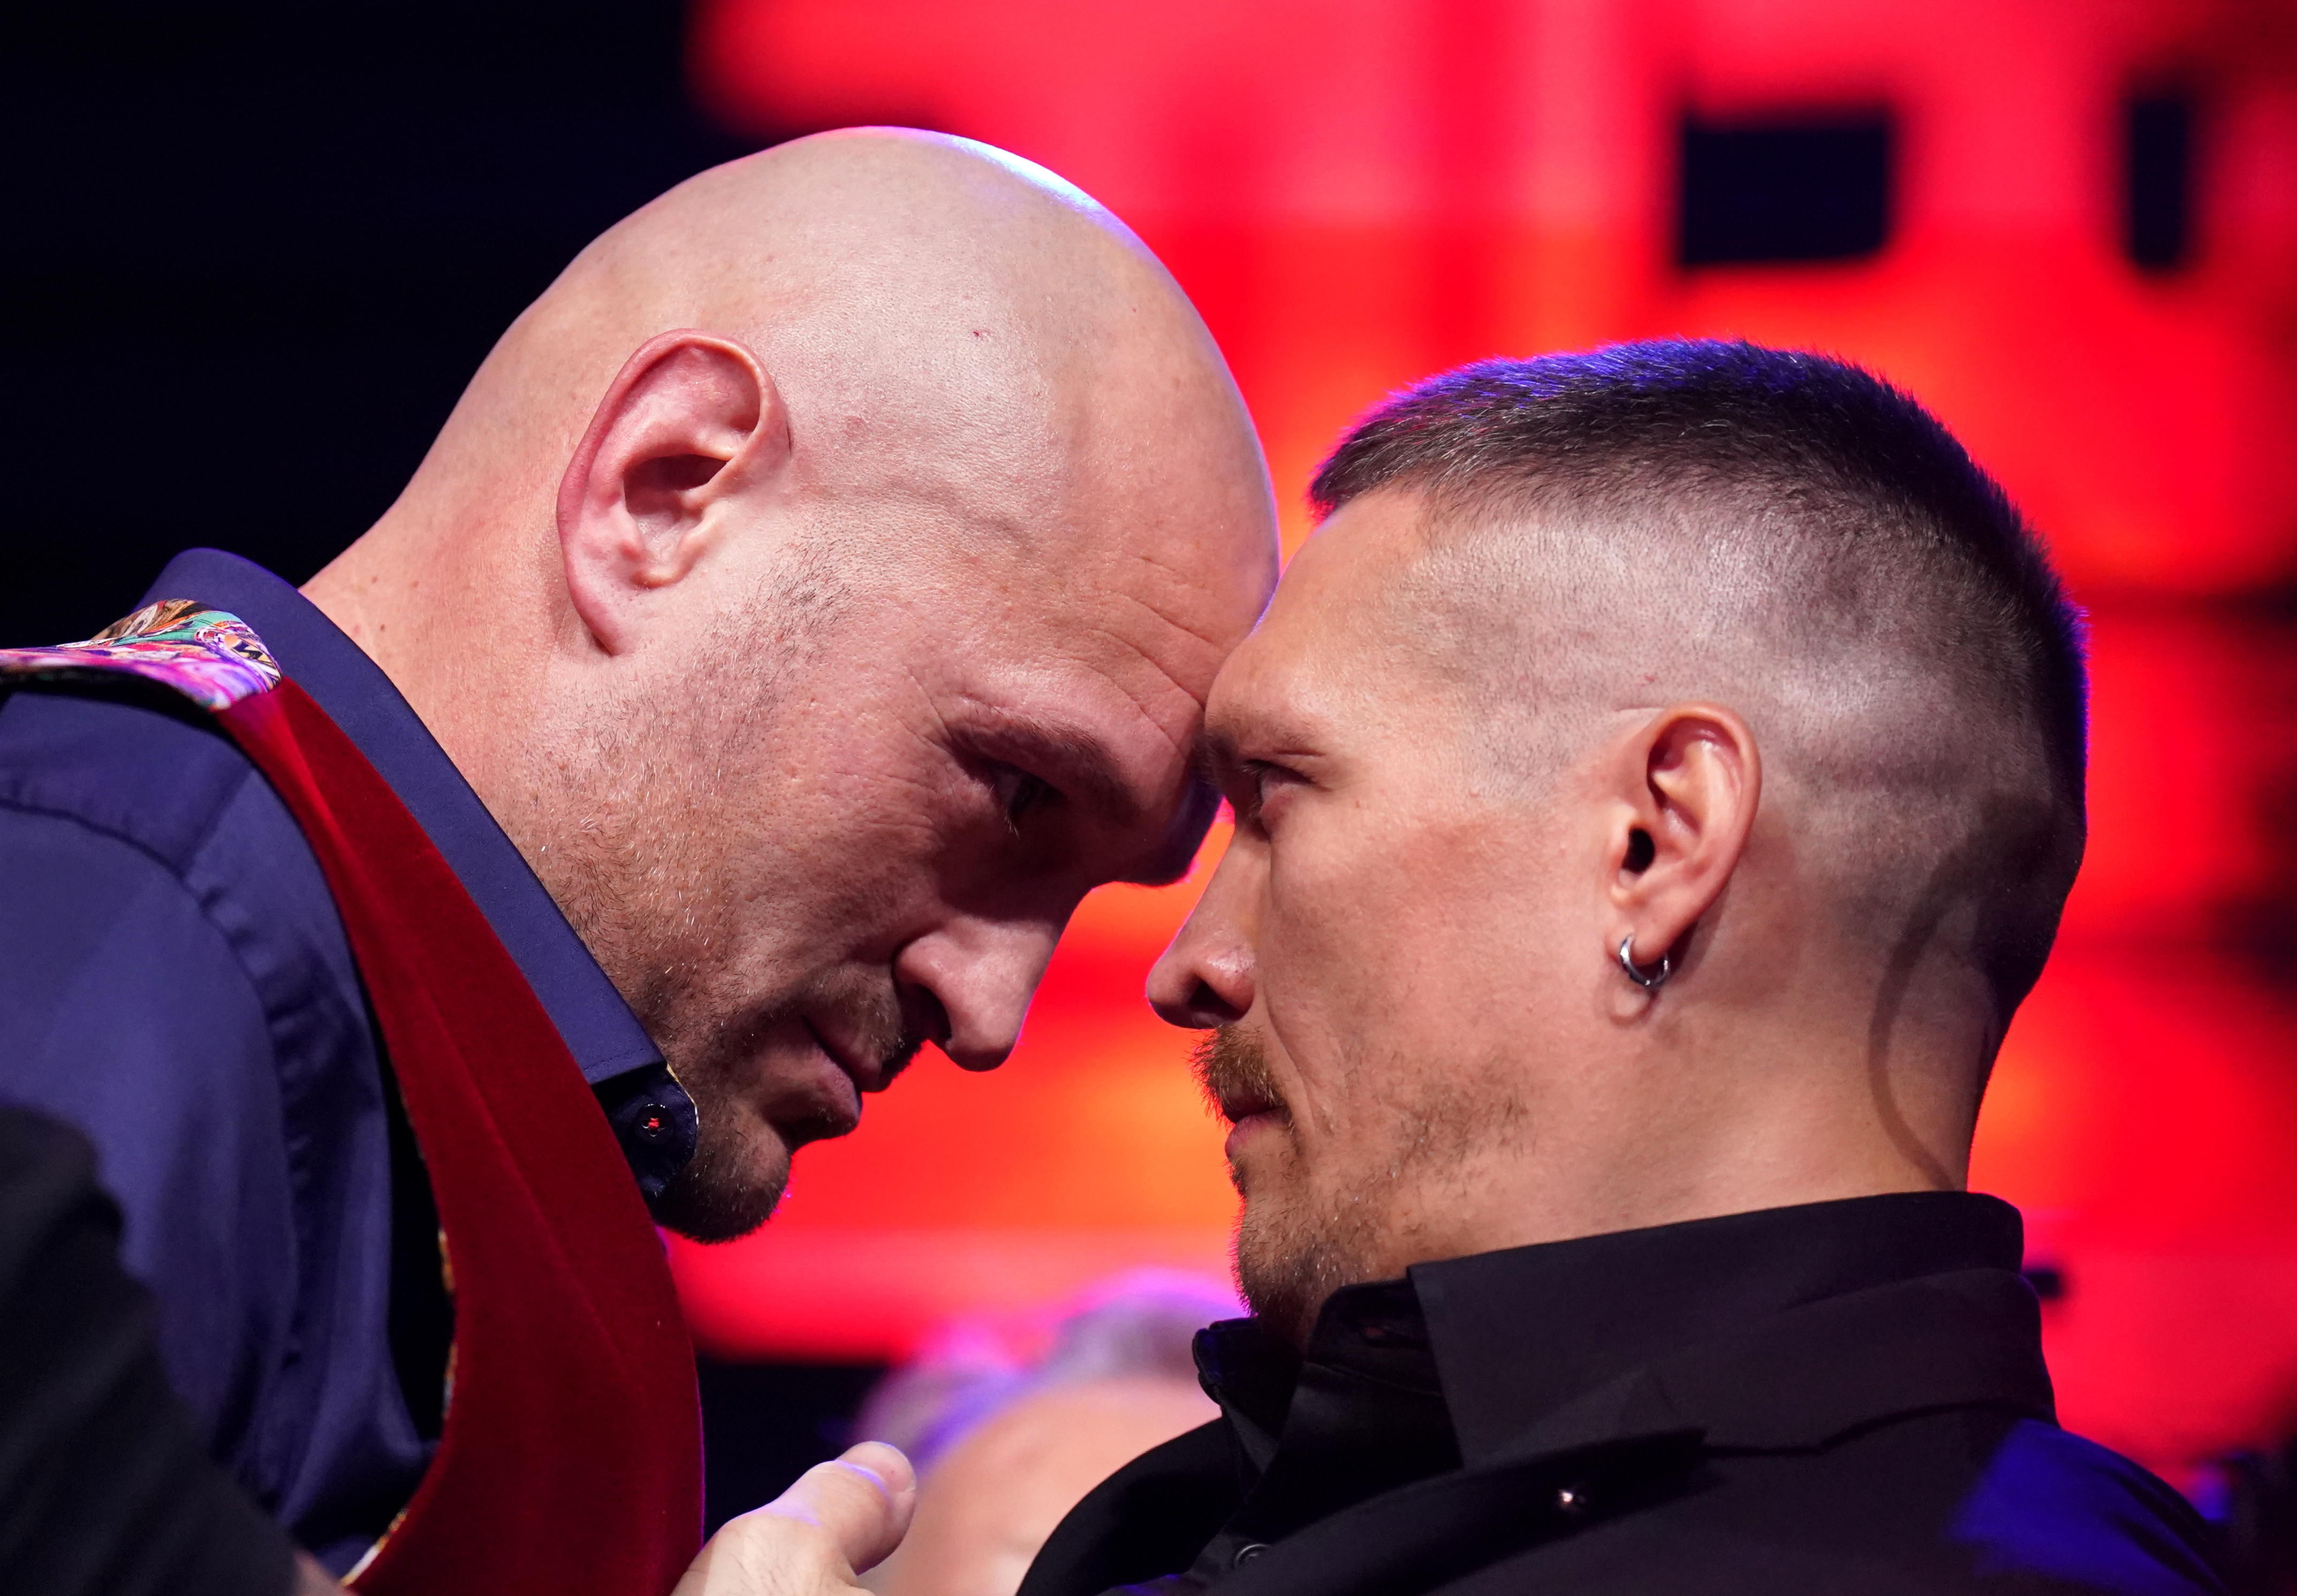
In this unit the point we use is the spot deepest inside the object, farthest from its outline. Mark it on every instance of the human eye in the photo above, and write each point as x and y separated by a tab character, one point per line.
1016	793
1261	790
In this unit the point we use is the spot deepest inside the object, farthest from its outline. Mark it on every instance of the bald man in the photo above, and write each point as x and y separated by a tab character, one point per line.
1656	783
813	597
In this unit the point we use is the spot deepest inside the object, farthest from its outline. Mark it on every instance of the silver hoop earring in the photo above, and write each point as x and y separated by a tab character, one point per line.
1650	981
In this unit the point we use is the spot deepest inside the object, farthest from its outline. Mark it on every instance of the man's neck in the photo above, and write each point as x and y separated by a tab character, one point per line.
371	595
1715	1154
437	624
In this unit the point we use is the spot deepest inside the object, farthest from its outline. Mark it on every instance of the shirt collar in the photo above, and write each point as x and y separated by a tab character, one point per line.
597	1026
1737	1325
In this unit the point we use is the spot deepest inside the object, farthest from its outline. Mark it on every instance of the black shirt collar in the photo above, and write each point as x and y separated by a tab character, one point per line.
1361	1411
1734	1328
612	1048
1518	1333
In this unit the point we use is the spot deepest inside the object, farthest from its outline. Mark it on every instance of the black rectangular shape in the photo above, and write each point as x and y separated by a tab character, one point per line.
2157	212
1784	189
765	1424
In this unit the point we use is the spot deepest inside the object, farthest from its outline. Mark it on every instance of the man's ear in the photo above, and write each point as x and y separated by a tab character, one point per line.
1688	784
691	420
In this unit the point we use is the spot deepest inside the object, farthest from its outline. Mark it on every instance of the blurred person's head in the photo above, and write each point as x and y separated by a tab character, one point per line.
821	583
1657	783
1007	1435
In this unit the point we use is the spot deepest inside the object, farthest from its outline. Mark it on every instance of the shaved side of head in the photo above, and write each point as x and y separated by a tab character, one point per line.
1783	533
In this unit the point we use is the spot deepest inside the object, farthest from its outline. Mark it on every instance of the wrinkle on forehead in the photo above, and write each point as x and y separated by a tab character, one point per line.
1195	683
1219	636
1178	608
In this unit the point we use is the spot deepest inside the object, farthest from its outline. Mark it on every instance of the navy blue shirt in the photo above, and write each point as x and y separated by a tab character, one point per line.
175	980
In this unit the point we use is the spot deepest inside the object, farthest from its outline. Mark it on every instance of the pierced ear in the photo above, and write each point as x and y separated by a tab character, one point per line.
691	420
1688	784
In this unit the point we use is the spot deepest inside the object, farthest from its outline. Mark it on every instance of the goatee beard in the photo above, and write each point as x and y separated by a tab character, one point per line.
1291	1251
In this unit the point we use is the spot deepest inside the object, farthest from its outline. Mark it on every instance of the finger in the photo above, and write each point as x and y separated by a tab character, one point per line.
863	1499
311	1580
839	1518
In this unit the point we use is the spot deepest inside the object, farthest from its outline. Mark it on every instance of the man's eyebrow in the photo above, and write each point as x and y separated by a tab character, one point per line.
1075	762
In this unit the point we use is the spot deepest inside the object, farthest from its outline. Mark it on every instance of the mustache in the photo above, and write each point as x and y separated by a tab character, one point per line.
870	1020
1232	1069
882	1033
902	1054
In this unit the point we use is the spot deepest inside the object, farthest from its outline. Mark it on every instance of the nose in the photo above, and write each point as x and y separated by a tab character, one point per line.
982	973
1207	977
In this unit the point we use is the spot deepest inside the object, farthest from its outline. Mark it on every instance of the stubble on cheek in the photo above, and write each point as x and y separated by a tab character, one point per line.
1297	1241
735	1179
1300	1237
1380	1190
755	1115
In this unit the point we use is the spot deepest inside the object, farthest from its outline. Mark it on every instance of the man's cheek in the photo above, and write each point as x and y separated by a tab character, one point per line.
1321	946
1334	984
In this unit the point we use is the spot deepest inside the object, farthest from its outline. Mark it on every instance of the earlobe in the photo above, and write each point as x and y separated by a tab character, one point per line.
1691	780
691	421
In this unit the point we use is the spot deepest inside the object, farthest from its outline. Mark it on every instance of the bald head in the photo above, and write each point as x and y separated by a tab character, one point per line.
821	583
901	290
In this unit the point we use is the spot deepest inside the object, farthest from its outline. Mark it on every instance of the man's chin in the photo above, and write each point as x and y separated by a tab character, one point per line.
1287	1265
725	1193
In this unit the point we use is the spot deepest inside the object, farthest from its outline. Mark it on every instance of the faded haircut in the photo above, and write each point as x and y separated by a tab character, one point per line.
1793	532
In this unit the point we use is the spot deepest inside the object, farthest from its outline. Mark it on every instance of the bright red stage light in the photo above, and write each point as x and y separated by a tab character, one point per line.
1359	191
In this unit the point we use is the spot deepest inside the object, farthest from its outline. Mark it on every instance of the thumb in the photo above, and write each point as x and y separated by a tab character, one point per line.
862	1500
812	1540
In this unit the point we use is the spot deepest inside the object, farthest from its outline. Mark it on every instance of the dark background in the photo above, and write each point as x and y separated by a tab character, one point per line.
765	1424
253	250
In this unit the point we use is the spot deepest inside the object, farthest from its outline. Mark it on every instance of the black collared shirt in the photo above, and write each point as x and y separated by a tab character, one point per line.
1839	1396
107	1490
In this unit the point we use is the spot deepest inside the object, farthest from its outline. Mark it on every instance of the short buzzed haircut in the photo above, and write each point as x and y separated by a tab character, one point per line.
1939	727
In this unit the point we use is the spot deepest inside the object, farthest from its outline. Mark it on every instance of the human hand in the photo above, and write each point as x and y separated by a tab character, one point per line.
839	1520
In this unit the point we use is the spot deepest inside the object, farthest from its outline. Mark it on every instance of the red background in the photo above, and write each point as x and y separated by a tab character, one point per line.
1359	192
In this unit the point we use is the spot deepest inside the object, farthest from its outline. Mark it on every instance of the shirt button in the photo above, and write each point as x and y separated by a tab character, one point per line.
652	1123
1571	1501
1246	1553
